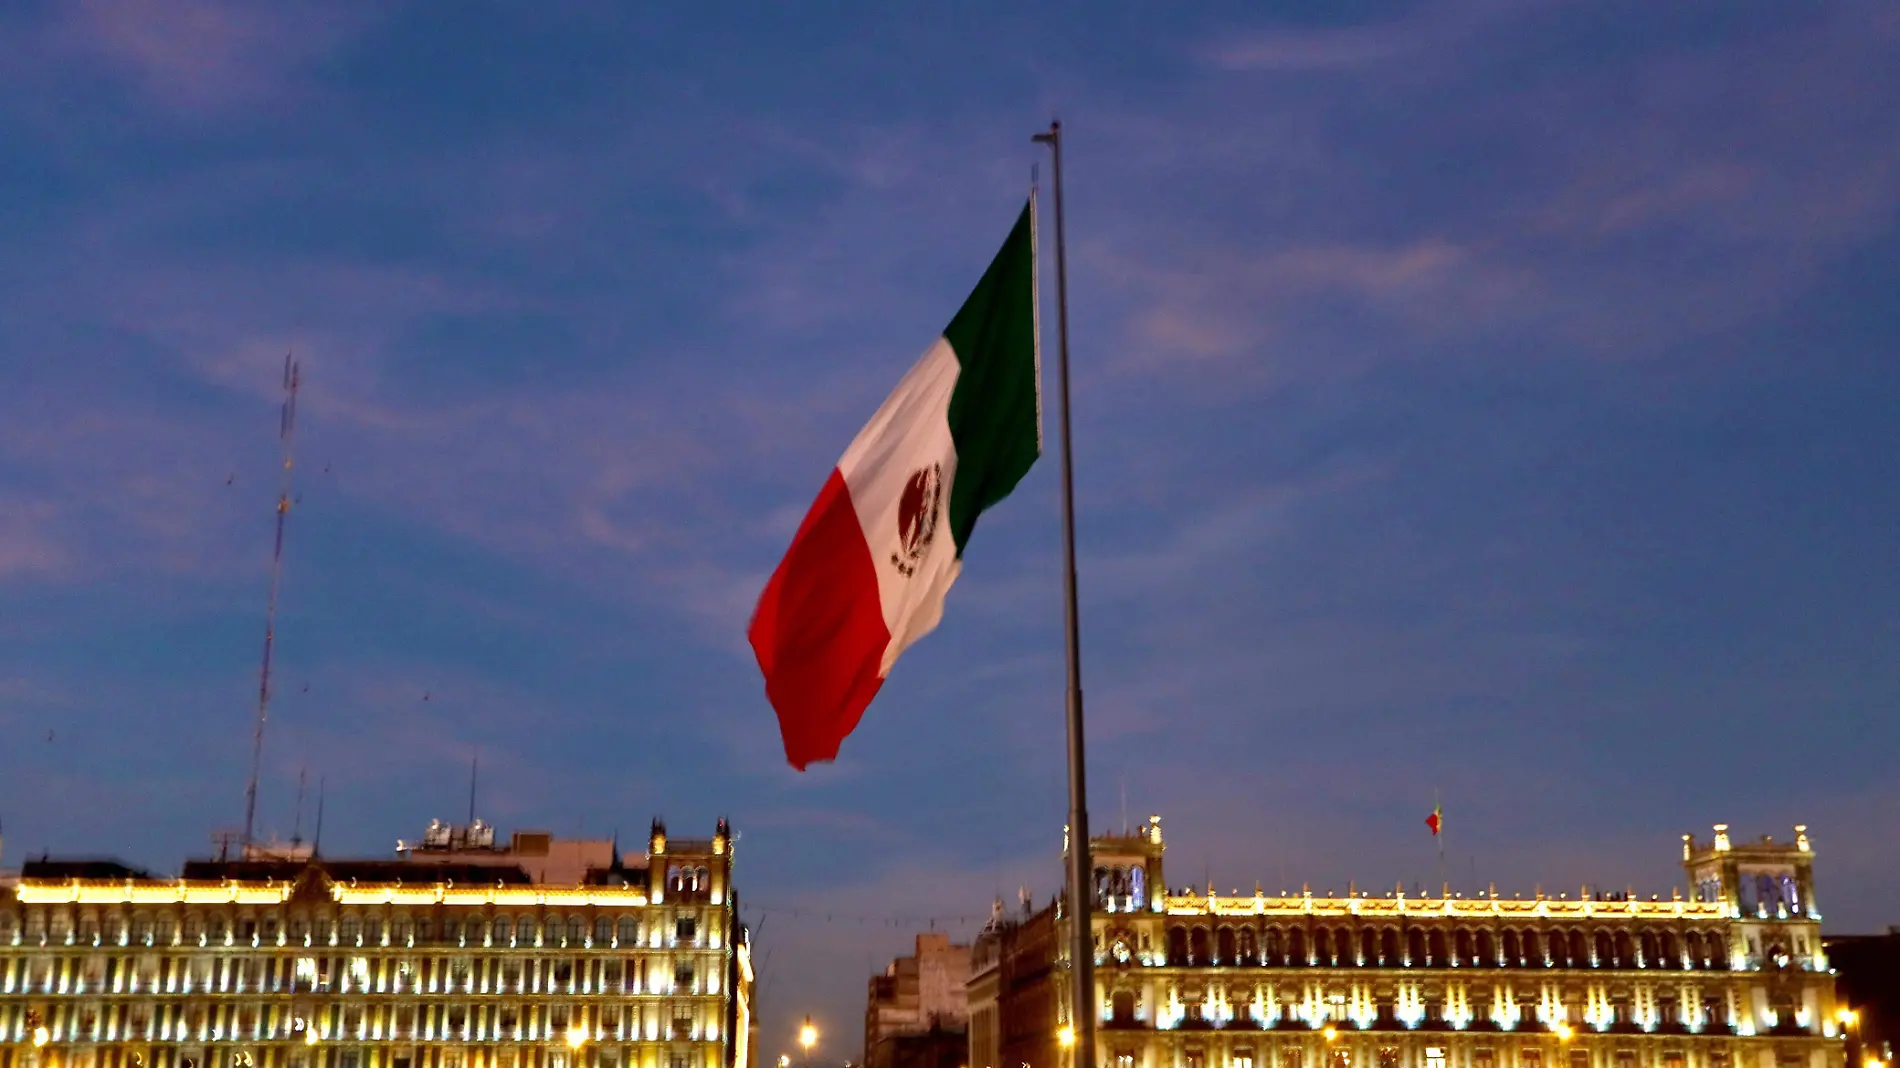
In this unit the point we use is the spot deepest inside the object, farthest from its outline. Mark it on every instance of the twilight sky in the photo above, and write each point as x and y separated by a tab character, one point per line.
1496	398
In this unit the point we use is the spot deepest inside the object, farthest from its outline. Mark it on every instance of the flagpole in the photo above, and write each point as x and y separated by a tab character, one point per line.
1081	928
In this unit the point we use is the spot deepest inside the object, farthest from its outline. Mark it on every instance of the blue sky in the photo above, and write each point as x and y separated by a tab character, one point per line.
1490	398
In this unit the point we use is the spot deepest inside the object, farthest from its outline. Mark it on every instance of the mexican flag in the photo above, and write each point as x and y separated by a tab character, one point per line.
869	568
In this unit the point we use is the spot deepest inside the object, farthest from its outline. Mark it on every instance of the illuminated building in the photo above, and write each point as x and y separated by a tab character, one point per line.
460	954
1867	970
1732	976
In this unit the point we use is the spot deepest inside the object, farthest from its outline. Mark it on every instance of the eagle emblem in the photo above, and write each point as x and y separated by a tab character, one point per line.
917	517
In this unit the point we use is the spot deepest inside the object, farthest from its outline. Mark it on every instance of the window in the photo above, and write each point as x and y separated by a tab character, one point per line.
1434	1057
629	931
1579	1058
502	928
682	975
1124	1060
603	931
524	932
685	929
1196	1059
576	931
1243	1058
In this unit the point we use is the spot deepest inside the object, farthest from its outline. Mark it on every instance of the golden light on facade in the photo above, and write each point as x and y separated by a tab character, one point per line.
1563	1030
1847	1016
807	1035
41	1036
1065	1037
1330	1032
576	1037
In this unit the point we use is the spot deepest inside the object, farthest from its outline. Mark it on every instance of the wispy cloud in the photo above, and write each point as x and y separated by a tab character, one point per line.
210	57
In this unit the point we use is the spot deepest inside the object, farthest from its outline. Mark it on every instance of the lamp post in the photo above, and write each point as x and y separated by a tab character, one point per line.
807	1038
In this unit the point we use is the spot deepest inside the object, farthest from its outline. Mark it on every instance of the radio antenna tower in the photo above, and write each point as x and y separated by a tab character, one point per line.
287	434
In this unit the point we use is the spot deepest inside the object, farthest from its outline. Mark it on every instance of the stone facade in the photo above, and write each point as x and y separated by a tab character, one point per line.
917	995
454	956
1733	975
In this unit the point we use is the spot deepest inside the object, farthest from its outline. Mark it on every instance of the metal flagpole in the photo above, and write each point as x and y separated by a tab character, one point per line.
1081	933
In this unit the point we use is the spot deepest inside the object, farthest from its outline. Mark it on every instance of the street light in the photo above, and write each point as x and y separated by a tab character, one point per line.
1065	1037
1563	1031
576	1037
41	1036
807	1036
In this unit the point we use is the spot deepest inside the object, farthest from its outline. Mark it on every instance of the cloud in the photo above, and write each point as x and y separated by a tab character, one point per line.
1434	30
207	58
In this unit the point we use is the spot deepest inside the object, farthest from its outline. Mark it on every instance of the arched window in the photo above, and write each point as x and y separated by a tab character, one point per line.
1197	946
1487	951
502	928
1667	957
1177	946
1533	950
1323	946
629	931
1342	946
1122	1007
1512	956
524	931
1276	950
1718	951
1605	956
1369	947
350	931
1435	949
1625	954
1224	946
1559	950
603	931
1296	947
1697	957
1415	948
1389	944
1791	895
1138	887
1249	946
576	931
1465	955
1579	955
